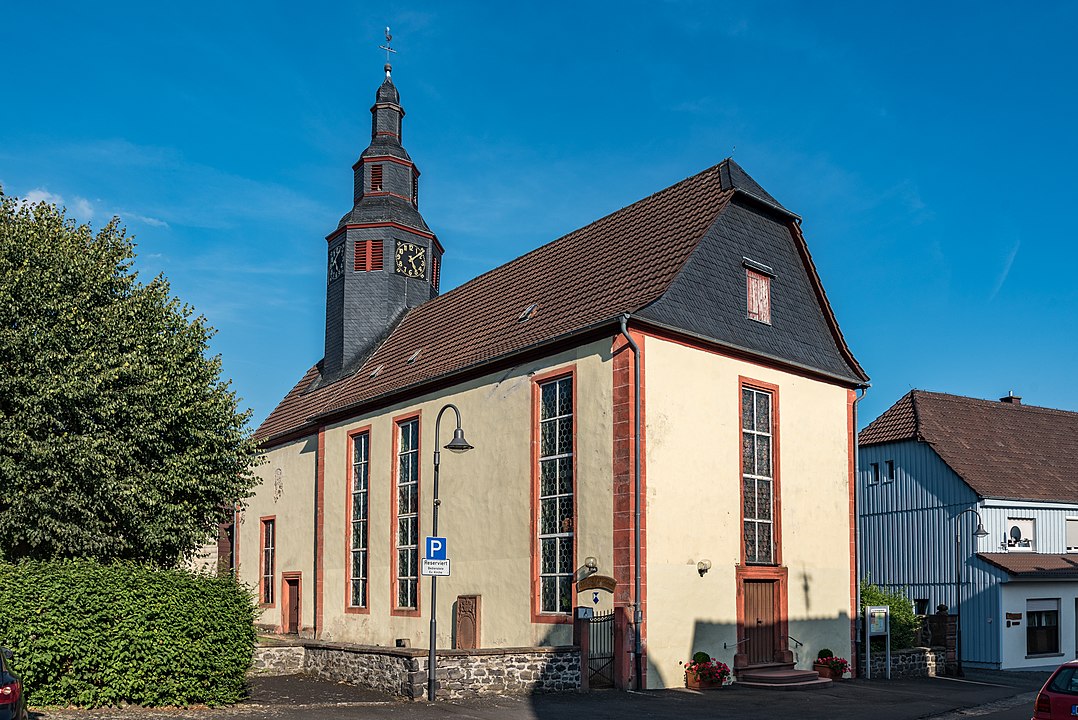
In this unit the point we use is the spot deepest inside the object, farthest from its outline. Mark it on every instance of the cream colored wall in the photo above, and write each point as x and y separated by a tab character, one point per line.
693	496
486	504
285	490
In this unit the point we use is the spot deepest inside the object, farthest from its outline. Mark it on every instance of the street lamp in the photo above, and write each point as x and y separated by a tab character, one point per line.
980	532
458	445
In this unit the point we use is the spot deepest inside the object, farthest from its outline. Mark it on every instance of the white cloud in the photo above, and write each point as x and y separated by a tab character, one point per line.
81	208
41	195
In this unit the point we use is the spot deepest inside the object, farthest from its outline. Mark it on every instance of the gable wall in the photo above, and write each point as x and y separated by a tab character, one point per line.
694	486
907	535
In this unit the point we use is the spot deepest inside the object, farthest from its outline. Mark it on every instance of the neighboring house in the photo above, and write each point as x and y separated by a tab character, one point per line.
930	457
744	432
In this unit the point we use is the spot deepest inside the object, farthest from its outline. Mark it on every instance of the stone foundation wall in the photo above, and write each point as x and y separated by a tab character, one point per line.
279	660
403	671
914	662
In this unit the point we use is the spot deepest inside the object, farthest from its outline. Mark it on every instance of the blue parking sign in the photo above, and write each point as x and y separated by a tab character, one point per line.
436	548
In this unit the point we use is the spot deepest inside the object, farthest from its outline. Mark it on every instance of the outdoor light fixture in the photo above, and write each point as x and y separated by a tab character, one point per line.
589	568
980	532
458	445
703	566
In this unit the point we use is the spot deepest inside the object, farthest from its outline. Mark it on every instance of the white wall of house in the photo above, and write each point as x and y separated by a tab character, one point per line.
1022	598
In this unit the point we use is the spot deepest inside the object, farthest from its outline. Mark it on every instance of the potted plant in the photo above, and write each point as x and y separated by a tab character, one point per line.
704	673
829	666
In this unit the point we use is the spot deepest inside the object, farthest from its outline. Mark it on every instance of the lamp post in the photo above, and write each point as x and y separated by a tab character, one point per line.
980	532
458	445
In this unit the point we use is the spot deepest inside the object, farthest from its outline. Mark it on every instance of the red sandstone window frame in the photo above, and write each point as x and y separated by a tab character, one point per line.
746	383
394	560
264	522
349	608
538	616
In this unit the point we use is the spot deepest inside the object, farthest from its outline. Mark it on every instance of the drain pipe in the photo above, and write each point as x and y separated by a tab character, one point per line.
638	613
857	522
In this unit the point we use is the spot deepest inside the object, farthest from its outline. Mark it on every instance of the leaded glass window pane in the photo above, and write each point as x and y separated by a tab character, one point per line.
407	536
358	565
556	487
757	487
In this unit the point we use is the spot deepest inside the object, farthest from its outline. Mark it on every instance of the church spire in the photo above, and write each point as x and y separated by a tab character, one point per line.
383	259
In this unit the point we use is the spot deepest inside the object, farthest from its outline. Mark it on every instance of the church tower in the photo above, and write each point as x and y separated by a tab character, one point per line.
382	258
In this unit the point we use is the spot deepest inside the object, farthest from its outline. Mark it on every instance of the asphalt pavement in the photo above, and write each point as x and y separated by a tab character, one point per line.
991	695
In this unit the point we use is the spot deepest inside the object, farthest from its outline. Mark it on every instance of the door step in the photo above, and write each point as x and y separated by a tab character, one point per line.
781	677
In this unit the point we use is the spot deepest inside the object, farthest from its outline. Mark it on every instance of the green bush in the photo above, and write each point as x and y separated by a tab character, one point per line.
90	635
825	653
701	657
904	622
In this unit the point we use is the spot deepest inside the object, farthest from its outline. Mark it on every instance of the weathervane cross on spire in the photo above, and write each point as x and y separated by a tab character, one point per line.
389	49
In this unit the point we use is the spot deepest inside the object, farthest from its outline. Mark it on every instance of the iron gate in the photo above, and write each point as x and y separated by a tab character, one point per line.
601	651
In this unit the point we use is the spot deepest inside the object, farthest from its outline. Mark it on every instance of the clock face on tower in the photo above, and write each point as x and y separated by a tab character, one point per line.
336	262
411	260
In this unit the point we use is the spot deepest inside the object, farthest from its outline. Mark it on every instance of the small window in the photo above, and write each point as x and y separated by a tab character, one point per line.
759	296
1042	627
874	473
435	270
920	606
415	189
889	474
1020	534
1072	534
269	550
376	178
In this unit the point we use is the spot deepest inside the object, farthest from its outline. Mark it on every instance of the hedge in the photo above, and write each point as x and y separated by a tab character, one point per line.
89	635
904	621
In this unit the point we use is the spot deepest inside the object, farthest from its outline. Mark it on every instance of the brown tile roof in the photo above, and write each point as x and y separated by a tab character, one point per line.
617	264
1000	450
1034	565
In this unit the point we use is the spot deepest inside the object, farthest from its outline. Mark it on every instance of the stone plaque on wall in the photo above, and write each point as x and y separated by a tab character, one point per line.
468	619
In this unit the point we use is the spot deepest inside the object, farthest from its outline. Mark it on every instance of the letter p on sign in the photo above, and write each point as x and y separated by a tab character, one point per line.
436	549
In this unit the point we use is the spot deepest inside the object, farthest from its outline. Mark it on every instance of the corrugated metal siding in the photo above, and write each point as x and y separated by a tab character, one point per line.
1049	526
907	540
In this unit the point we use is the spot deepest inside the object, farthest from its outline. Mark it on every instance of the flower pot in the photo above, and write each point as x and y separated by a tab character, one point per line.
825	671
694	684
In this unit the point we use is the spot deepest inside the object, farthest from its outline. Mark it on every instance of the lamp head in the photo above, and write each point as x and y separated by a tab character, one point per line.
458	444
980	531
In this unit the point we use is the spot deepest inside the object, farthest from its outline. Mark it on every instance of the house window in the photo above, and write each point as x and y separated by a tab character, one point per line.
407	530
1020	534
874	474
1072	534
889	467
376	178
759	296
1042	627
555	497
269	548
920	606
359	520
757	492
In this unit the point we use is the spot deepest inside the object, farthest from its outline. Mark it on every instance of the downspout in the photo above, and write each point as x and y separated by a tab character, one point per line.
638	613
857	522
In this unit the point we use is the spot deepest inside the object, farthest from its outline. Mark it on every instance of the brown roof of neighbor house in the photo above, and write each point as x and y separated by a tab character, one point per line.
1034	565
588	278
1000	449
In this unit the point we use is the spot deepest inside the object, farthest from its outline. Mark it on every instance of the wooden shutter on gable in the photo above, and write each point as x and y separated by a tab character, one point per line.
759	296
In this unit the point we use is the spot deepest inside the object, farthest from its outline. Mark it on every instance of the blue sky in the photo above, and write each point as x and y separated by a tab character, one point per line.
929	147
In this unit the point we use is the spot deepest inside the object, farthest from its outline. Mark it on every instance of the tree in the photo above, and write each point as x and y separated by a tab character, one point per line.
118	438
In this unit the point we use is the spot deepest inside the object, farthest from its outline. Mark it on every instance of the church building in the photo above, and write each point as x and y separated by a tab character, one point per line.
663	395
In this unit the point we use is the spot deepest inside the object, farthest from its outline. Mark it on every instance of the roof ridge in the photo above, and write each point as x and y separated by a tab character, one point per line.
1012	407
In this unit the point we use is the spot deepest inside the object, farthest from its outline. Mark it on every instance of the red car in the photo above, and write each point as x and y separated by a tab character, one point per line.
12	700
1058	698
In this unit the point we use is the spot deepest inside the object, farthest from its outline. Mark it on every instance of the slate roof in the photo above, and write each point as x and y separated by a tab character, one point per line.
1034	565
1001	450
621	263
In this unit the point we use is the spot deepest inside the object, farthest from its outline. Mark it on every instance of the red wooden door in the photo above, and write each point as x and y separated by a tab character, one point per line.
760	621
292	611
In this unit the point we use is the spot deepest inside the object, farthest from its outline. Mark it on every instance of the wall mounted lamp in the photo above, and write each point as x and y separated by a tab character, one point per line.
703	566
